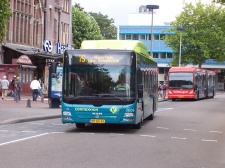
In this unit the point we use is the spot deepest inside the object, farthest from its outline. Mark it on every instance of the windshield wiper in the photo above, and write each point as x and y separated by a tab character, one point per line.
108	95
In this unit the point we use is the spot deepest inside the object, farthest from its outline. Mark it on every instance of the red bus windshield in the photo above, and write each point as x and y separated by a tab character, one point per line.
183	80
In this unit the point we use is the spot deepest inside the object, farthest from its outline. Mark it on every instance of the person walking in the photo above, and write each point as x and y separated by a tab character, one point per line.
13	83
35	85
159	90
40	90
4	87
17	89
164	88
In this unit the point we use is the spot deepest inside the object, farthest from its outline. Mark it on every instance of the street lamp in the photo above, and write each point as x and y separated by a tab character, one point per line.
180	29
151	8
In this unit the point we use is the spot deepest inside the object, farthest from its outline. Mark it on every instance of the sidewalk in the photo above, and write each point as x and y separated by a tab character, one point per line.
17	112
21	111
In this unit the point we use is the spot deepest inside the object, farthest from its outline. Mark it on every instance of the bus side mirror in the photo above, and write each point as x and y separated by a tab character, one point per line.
140	91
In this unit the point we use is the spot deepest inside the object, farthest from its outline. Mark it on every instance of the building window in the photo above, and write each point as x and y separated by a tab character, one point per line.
163	55
142	37
169	55
135	37
66	5
122	36
156	36
162	36
155	55
128	37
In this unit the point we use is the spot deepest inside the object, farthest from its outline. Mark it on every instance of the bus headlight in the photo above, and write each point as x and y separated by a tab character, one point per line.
128	114
67	113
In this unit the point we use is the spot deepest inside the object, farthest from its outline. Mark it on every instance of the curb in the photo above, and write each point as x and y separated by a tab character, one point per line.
35	118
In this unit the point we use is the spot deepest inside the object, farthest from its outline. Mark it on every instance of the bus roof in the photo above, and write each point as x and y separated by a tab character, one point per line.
134	45
186	69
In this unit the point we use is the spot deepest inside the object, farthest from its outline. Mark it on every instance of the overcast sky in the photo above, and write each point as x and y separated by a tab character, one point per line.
120	9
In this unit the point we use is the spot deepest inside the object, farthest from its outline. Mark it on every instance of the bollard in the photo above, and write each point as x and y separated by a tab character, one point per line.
28	103
42	99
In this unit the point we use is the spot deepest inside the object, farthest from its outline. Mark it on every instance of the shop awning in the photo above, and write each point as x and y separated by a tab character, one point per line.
31	51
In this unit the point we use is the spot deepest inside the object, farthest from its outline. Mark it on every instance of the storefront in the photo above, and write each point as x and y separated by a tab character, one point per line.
21	67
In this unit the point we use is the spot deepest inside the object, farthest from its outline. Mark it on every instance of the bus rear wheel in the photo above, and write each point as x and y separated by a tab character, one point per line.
80	125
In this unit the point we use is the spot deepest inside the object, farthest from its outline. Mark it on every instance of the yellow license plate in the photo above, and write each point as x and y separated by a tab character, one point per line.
180	96
102	121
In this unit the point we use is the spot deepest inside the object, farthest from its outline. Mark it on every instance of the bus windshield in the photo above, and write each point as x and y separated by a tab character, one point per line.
183	80
107	75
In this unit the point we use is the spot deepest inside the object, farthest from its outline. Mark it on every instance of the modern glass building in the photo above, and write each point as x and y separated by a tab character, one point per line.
162	53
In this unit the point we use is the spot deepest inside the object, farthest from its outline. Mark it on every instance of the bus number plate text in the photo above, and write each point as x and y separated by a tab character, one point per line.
100	121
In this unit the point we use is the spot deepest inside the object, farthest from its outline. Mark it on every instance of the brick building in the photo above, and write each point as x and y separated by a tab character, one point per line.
38	29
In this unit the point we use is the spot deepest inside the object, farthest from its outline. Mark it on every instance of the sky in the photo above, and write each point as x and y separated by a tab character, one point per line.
119	10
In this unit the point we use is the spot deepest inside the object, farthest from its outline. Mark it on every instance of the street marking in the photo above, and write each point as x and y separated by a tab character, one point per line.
151	136
86	133
28	131
23	139
162	128
190	130
37	123
4	130
60	124
57	132
163	109
116	134
219	132
178	138
209	140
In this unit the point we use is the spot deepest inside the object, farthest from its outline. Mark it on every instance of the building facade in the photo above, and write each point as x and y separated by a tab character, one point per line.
162	53
39	30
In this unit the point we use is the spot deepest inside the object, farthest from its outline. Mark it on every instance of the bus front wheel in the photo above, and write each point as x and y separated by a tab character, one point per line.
80	125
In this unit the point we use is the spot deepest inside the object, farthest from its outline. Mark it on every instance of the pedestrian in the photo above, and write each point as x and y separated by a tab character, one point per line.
13	82
34	85
4	87
159	90
164	88
40	90
17	89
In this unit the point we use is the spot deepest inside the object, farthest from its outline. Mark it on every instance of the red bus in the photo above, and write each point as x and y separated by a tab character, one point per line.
191	83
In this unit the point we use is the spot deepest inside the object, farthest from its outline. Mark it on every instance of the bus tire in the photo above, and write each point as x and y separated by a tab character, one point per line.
80	125
173	99
138	125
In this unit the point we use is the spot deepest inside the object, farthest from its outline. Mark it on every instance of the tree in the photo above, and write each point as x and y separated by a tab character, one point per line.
108	30
84	27
5	14
204	35
219	1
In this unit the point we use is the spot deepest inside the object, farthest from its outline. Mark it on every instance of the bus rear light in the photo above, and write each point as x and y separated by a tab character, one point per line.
191	92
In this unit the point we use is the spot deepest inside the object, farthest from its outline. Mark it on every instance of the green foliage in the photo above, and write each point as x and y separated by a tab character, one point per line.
5	13
204	35
108	30
84	27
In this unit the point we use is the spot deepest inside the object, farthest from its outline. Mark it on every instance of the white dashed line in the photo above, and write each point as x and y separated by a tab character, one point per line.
151	136
37	123
190	130
28	131
116	134
178	138
209	140
86	133
163	109
23	139
4	130
162	128
219	132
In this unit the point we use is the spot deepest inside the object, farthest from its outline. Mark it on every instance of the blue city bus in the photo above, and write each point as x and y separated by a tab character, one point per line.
90	78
